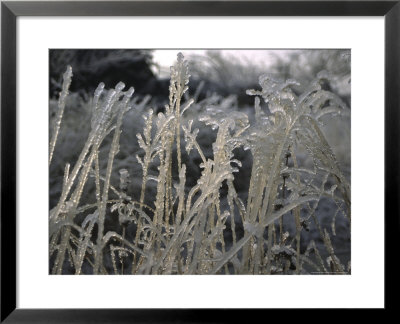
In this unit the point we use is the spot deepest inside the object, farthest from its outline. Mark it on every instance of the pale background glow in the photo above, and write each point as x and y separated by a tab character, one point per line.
364	288
262	58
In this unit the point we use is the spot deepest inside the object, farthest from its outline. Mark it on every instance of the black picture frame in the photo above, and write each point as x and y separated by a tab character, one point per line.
10	10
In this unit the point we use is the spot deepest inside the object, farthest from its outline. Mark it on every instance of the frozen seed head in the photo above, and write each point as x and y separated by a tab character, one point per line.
67	77
120	86
68	73
130	92
124	172
110	97
99	89
180	57
124	179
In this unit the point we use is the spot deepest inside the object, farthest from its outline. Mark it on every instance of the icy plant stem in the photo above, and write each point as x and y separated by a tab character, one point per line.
58	264
61	105
102	211
271	183
296	212
257	184
142	192
94	137
75	197
266	204
178	128
54	214
198	237
181	229
84	243
231	253
269	252
231	195
97	178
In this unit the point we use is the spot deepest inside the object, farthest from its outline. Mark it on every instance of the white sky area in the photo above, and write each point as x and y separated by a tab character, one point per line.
166	58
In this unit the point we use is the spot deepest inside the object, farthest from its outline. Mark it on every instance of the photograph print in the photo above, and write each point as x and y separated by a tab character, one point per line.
214	162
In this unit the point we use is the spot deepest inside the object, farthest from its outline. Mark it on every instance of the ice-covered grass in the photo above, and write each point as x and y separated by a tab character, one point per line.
176	204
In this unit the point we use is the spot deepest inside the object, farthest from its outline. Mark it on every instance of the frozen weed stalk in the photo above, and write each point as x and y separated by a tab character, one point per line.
175	226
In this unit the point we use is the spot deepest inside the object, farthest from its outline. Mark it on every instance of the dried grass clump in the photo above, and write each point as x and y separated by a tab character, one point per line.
205	228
